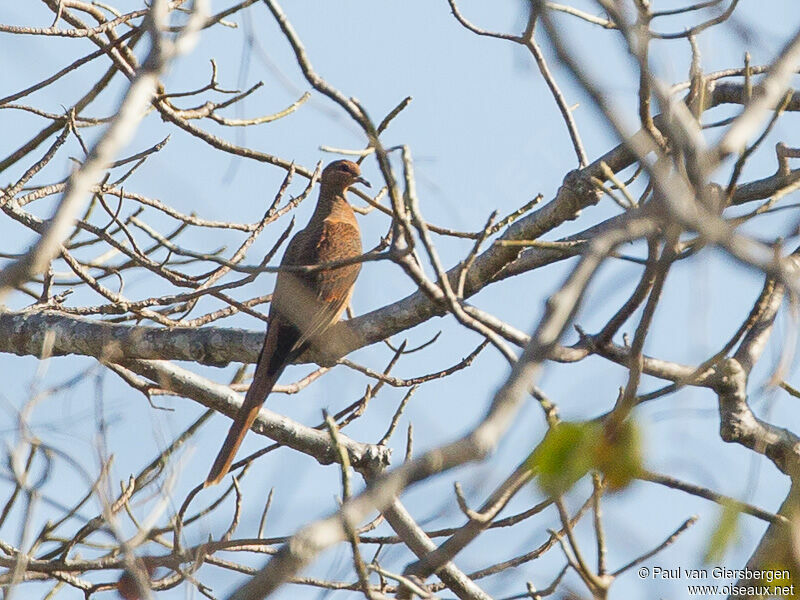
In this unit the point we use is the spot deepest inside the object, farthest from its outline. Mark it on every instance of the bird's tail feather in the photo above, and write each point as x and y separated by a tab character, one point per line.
253	400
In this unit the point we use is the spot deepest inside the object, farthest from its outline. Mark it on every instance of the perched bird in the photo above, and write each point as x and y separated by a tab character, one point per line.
304	304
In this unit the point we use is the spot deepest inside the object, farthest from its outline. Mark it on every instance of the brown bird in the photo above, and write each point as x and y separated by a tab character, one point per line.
303	305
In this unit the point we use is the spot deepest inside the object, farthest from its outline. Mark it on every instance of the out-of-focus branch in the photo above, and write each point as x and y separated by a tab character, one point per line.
766	97
121	129
477	523
315	537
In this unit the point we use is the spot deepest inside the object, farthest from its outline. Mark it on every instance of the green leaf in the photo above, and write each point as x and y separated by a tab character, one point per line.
618	455
723	535
564	456
570	450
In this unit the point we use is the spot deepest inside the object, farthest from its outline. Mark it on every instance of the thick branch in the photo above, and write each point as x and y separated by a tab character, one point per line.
314	442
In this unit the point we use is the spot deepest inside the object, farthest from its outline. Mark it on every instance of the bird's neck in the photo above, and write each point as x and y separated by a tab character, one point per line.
332	205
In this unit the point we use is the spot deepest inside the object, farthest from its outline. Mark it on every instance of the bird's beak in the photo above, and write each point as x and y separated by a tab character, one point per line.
362	180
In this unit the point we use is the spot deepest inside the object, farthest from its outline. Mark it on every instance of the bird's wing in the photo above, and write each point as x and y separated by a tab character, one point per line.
314	301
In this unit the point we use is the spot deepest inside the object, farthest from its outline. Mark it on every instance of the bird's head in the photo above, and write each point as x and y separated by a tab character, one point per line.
342	174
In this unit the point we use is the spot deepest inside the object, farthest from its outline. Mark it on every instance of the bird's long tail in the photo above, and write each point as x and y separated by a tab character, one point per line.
241	424
273	359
